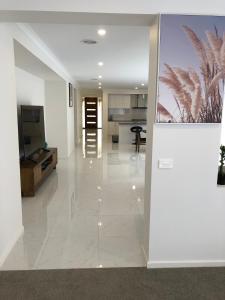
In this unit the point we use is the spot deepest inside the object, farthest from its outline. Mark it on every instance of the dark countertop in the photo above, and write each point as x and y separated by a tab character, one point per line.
132	122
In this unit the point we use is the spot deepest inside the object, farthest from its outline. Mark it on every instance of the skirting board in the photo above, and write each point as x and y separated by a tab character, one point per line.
11	245
185	264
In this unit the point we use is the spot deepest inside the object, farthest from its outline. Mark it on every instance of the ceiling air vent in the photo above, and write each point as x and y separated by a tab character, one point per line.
89	42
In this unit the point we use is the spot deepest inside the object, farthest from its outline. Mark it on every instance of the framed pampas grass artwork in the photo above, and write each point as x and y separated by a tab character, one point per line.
192	69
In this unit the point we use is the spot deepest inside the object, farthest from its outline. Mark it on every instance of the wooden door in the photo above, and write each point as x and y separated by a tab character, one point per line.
91	112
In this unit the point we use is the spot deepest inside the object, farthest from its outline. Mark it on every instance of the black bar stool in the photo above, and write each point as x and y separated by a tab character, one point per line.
137	130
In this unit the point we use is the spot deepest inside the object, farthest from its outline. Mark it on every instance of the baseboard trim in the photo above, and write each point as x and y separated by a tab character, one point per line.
185	264
10	245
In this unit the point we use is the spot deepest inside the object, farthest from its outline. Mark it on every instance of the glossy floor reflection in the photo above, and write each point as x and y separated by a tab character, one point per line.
88	214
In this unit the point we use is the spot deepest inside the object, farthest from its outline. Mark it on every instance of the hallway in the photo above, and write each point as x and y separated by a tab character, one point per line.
88	214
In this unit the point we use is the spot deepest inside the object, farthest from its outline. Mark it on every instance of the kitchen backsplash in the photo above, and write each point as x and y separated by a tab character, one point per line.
124	114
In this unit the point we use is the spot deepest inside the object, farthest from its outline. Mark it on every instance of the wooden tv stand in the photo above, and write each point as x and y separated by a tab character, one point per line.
35	170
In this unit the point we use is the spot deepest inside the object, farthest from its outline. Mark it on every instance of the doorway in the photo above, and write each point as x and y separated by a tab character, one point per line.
99	221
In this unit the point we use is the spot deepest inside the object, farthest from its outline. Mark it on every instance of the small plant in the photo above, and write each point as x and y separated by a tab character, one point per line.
222	155
221	173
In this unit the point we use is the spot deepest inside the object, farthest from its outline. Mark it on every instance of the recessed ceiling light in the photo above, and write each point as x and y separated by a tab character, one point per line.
101	32
89	42
142	84
136	88
99	76
100	63
99	87
99	83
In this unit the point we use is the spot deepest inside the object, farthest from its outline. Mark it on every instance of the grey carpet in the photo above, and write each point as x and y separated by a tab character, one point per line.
126	283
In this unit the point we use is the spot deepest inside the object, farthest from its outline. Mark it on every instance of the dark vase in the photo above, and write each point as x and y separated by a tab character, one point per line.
221	176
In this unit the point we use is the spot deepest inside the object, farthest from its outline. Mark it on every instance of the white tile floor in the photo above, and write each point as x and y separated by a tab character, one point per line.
88	214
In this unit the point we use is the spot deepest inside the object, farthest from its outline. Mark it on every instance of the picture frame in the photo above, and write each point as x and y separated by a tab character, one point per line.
191	82
70	95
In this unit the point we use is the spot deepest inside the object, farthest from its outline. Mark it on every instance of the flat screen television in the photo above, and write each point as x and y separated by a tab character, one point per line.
31	130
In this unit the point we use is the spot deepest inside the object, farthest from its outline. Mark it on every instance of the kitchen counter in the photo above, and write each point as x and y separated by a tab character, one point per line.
132	122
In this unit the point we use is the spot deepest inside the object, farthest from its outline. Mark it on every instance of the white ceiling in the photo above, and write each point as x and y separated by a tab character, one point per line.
124	51
216	7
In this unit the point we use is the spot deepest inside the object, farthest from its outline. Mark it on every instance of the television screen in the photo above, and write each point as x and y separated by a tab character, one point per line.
32	130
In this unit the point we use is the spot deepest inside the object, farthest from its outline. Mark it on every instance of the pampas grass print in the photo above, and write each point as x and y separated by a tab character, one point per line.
198	94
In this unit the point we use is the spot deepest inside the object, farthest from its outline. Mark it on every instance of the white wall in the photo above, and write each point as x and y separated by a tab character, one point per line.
187	223
10	196
78	117
152	95
105	114
70	123
30	89
59	118
187	208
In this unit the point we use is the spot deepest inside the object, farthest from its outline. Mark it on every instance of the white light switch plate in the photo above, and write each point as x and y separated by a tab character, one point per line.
165	163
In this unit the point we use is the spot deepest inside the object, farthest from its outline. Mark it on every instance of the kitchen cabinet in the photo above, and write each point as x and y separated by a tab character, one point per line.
113	128
139	101
119	101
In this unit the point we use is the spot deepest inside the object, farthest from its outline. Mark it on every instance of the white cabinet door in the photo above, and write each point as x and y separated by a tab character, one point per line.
113	128
119	101
110	128
126	101
110	102
116	128
113	102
